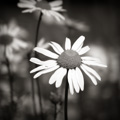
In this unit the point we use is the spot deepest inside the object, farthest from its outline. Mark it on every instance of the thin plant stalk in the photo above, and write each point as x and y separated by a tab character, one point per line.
9	75
37	80
66	100
55	114
32	88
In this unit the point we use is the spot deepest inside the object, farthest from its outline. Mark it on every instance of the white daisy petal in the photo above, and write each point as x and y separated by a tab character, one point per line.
90	59
84	50
29	10
56	14
22	5
38	69
46	52
78	43
56	8
54	76
93	63
46	71
58	47
50	62
75	84
36	61
80	78
67	44
60	78
55	3
70	82
55	49
92	71
89	75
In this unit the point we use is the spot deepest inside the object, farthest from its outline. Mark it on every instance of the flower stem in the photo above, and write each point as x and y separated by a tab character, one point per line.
66	100
32	87
10	76
37	80
55	114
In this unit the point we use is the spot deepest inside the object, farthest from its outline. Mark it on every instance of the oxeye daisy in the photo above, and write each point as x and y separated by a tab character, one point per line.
10	37
47	8
70	62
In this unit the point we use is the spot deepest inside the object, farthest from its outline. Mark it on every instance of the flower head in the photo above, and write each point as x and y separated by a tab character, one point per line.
10	37
47	8
69	61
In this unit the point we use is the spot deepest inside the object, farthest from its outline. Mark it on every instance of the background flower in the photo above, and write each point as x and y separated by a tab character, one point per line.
11	36
47	8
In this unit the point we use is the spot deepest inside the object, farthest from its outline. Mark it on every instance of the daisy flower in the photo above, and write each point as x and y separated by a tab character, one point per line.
9	37
70	62
47	8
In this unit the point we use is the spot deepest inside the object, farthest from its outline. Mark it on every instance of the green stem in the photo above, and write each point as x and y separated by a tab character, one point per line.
37	80
66	100
10	76
55	115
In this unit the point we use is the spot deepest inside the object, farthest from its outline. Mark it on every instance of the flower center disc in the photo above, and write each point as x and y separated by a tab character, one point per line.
6	39
43	4
69	59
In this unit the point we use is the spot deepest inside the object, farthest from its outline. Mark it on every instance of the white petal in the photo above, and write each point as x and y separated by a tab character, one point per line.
92	71
28	10
56	8
46	52
60	78
56	14
38	69
49	63
46	71
78	43
54	76
55	3
80	78
36	61
70	82
67	44
93	63
84	50
55	49
58	47
89	75
22	5
75	84
90	58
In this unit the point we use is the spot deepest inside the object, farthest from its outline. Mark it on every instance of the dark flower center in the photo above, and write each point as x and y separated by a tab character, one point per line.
6	39
43	4
69	59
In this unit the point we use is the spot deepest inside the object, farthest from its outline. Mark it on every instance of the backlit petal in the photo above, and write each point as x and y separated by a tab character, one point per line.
58	47
36	61
78	43
46	71
84	50
67	44
75	84
80	78
93	63
60	78
89	75
92	71
70	82
46	52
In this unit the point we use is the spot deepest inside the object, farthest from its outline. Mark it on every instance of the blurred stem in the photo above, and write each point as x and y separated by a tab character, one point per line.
66	100
32	87
55	115
37	80
10	76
